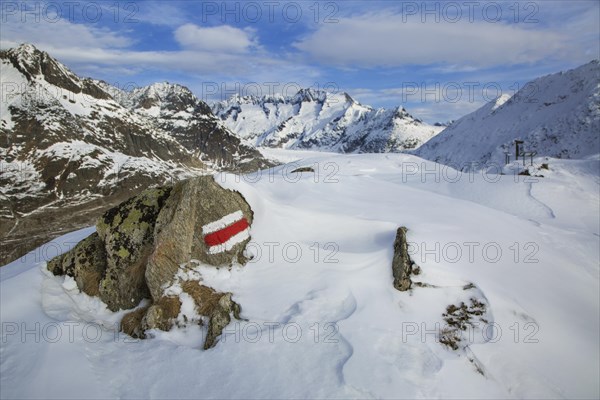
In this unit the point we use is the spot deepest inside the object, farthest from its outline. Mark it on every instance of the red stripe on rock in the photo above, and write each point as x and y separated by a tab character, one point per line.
221	236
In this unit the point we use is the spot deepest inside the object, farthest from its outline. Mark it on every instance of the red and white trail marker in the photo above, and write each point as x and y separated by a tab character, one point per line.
223	234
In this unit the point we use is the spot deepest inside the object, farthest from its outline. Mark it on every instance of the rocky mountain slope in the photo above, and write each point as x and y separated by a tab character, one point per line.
175	109
70	147
556	115
315	119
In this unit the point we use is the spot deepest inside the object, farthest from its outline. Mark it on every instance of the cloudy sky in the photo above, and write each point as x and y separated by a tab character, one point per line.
440	60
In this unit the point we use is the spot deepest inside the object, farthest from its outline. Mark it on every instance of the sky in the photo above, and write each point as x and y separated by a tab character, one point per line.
440	60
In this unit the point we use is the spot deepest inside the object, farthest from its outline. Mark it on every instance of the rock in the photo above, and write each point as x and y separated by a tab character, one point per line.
161	314
141	245
218	307
303	169
86	263
127	232
401	263
181	230
461	317
131	323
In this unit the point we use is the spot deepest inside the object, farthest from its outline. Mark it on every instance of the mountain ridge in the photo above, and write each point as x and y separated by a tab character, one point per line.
70	146
557	115
320	120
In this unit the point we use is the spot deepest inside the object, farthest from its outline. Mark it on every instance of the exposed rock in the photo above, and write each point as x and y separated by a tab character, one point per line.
131	323
218	307
401	263
127	233
179	229
86	263
70	147
175	109
161	314
303	169
141	244
459	318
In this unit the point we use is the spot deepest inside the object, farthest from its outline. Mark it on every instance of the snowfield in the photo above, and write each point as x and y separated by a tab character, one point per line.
322	317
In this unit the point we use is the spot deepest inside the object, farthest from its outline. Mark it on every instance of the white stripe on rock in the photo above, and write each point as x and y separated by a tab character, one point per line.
222	223
228	245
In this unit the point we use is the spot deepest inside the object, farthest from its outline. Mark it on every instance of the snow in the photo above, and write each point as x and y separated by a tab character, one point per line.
322	317
13	85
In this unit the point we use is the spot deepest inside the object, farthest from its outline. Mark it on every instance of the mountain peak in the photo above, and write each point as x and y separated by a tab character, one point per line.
166	88
27	58
37	65
164	97
26	49
308	95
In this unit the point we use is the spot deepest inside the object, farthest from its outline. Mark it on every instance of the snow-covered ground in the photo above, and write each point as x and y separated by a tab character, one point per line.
323	319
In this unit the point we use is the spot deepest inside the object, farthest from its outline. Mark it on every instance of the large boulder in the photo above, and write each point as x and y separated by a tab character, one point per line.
142	246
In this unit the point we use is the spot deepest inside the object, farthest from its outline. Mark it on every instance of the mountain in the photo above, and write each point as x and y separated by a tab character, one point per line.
316	119
556	115
175	109
70	147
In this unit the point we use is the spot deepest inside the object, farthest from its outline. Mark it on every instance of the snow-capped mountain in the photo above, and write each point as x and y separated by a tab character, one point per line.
556	115
175	109
70	142
315	119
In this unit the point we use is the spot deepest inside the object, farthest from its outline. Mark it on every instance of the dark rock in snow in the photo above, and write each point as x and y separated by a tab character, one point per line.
401	263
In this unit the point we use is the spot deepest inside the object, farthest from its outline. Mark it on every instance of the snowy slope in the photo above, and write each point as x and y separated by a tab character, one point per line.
325	321
556	115
315	119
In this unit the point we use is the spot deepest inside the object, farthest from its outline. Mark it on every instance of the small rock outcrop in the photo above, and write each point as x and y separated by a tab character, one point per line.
86	263
402	265
142	245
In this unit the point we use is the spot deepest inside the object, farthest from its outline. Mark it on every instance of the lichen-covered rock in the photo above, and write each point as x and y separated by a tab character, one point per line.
140	245
86	263
196	212
401	263
127	232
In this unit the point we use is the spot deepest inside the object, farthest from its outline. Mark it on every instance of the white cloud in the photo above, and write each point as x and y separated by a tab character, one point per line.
222	39
62	33
385	40
220	55
162	13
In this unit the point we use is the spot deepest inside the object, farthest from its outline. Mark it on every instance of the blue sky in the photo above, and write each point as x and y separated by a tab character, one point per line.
440	60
